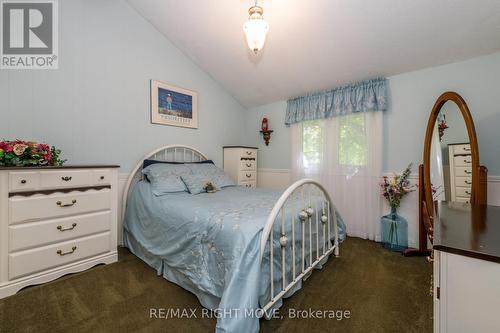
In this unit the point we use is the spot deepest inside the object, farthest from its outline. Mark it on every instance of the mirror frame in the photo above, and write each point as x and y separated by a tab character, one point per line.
478	188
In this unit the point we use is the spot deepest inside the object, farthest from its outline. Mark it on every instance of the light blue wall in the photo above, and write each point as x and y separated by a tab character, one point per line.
96	105
278	154
412	96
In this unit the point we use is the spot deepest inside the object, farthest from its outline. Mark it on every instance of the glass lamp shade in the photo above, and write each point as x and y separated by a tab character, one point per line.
256	30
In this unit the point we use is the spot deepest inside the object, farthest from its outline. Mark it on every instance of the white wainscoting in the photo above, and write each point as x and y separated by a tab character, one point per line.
276	179
122	180
280	179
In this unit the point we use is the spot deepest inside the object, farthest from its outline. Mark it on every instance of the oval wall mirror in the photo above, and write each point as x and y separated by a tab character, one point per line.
451	170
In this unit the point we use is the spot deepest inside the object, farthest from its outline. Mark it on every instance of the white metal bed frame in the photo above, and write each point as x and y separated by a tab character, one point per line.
308	214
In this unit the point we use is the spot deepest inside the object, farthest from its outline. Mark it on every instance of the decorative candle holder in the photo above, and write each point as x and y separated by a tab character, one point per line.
267	136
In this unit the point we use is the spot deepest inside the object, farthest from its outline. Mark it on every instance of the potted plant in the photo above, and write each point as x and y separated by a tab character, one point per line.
394	226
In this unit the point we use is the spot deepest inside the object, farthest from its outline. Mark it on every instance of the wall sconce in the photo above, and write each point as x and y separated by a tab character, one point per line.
266	132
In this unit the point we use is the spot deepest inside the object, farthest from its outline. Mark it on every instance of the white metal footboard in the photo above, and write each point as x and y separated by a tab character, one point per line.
300	201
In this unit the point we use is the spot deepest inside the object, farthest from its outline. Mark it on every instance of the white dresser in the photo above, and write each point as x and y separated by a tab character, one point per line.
466	275
240	163
460	172
55	221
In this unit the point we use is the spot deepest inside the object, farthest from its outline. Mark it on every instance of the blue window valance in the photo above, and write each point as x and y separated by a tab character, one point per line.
360	97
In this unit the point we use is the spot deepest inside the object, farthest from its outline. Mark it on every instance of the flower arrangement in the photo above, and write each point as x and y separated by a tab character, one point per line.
437	191
442	125
27	153
397	187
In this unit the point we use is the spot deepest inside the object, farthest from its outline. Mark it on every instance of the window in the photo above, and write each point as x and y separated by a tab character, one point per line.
353	148
312	138
347	132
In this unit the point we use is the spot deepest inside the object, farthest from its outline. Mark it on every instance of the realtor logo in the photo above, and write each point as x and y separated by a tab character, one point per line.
29	36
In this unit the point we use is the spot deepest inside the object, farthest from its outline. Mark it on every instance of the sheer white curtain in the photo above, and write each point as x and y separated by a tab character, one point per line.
345	155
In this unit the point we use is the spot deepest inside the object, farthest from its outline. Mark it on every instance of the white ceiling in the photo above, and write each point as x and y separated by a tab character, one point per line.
320	44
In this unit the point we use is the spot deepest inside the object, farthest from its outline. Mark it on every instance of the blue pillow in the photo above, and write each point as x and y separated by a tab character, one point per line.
210	171
168	184
165	178
196	182
147	163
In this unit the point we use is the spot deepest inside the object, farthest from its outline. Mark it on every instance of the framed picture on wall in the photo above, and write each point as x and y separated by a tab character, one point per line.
173	106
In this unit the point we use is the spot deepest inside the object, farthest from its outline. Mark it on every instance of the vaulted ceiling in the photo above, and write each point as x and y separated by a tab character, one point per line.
320	44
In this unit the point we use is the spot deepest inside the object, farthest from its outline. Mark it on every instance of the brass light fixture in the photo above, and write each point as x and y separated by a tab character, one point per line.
256	28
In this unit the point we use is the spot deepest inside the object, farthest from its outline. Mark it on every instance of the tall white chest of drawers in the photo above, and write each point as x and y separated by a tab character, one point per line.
460	172
55	221
240	163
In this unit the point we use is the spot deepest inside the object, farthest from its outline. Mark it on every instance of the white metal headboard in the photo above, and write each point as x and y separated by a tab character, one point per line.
170	153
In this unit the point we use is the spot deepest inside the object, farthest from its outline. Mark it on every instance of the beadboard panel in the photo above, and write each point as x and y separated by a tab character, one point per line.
280	179
122	181
276	179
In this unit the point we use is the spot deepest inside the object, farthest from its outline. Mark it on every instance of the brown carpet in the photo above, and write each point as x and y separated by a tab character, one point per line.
384	292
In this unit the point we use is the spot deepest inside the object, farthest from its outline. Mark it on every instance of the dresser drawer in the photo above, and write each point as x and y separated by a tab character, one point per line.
40	206
23	181
463	171
465	160
461	199
102	177
247	175
65	178
463	192
248	153
251	183
461	149
247	165
42	258
26	235
463	181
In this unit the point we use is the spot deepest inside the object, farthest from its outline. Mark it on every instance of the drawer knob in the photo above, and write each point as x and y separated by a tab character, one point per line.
23	181
468	172
248	165
60	228
466	148
467	192
248	185
60	204
466	161
66	178
468	182
61	253
102	177
249	153
248	176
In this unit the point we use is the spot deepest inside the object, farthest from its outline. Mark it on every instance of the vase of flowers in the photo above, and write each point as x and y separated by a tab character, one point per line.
394	226
20	153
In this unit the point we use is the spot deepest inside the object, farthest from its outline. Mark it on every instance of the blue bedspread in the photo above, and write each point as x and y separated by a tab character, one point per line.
209	244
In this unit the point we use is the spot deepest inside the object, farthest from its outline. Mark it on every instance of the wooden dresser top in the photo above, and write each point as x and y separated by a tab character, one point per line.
468	230
69	166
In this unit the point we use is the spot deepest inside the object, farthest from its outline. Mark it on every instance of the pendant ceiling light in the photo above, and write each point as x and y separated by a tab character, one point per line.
256	28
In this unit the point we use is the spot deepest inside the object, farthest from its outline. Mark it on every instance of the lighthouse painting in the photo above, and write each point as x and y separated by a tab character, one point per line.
173	106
